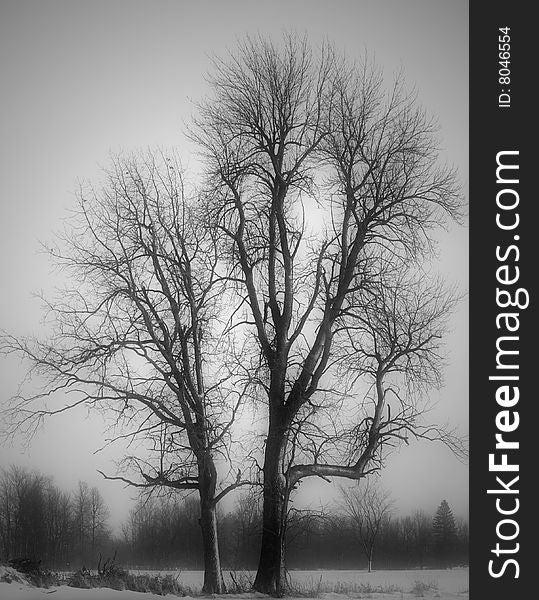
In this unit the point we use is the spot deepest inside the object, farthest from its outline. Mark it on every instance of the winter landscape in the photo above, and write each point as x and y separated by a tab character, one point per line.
233	355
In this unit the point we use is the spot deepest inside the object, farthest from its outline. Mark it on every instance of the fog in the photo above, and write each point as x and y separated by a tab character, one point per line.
81	80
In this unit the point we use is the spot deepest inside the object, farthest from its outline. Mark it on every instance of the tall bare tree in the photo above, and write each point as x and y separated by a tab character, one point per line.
138	334
368	508
99	514
81	521
320	182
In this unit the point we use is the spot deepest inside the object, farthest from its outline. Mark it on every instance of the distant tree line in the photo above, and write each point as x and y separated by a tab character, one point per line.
162	533
70	529
40	521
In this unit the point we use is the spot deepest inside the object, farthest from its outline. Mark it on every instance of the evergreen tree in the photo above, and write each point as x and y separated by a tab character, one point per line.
444	534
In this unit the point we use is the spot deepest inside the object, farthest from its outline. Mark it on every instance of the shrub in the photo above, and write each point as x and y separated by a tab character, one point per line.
35	575
26	565
420	587
119	579
80	579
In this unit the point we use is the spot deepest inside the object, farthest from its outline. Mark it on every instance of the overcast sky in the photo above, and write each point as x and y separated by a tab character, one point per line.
80	79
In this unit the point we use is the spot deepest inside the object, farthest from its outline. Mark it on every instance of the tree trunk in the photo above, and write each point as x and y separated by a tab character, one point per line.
207	484
213	576
270	577
93	543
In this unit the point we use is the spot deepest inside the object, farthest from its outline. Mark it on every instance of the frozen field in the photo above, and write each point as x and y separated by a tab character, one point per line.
453	581
380	585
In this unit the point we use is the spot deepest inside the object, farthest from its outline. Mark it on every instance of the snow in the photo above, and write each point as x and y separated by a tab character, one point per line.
8	574
13	591
451	584
449	581
453	581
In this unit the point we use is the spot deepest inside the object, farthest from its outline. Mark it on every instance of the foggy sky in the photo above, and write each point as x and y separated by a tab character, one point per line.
82	79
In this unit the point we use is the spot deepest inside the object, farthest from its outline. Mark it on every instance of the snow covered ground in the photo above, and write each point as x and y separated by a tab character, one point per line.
380	585
451	582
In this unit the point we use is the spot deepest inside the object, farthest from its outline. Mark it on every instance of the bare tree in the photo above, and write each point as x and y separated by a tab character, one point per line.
319	182
368	508
138	335
99	515
81	521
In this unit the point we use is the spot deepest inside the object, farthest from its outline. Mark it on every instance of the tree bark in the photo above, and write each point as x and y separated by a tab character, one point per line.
213	576
270	577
